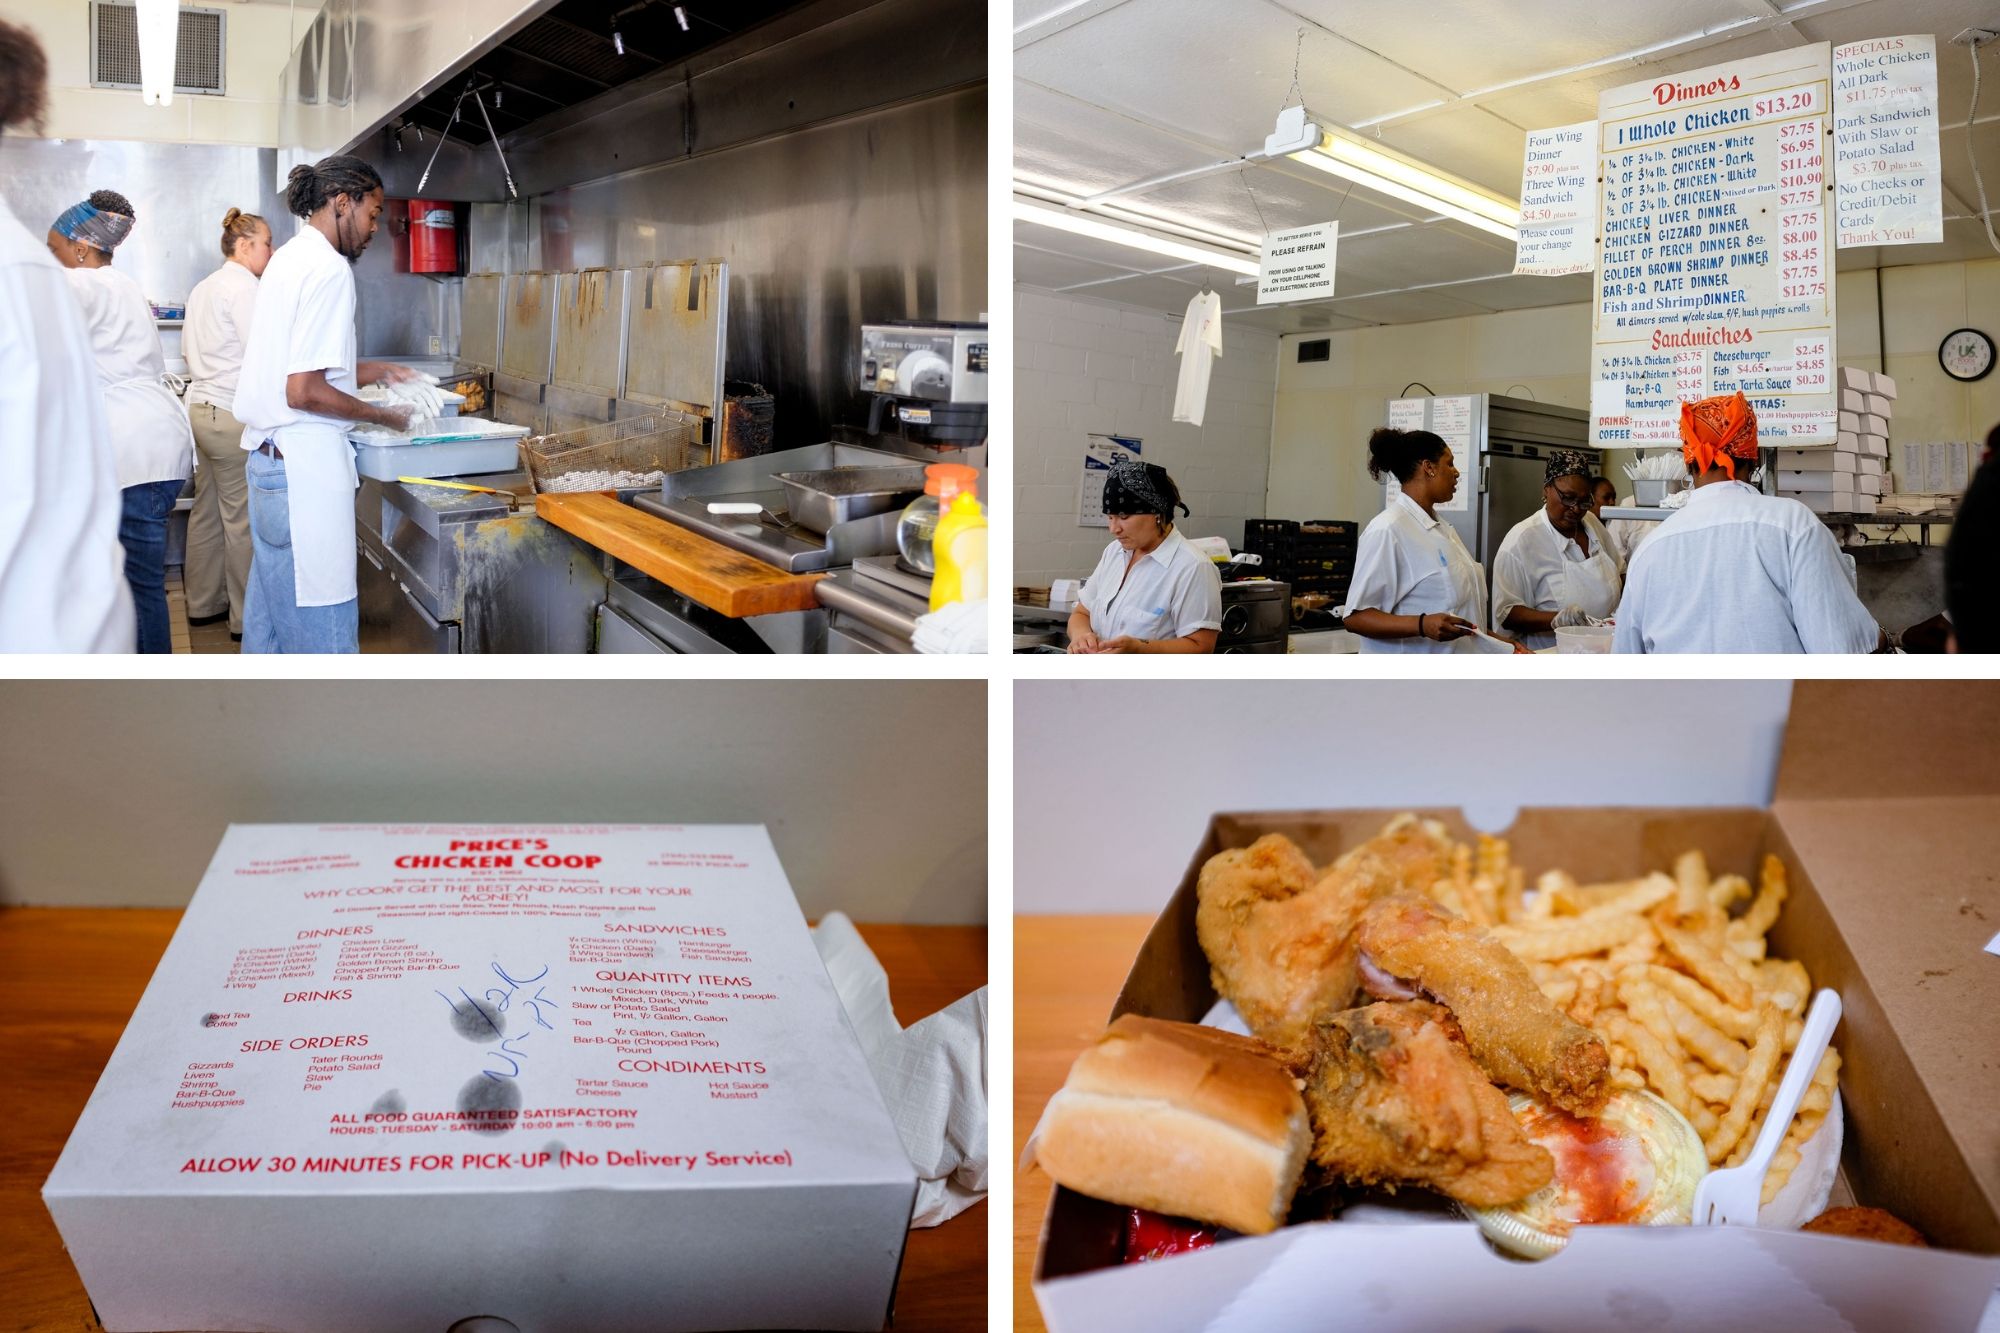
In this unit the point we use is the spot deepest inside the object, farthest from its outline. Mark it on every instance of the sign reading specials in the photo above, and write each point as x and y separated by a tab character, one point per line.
1715	272
1297	265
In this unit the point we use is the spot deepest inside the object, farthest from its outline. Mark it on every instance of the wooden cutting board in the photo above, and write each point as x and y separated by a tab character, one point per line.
705	571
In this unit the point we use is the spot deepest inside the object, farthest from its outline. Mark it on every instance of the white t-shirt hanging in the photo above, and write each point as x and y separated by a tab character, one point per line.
1204	322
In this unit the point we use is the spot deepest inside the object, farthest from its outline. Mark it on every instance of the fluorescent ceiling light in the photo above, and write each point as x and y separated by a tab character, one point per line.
1352	158
159	36
1084	225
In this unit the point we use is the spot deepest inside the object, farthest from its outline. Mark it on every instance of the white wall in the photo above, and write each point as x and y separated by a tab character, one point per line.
258	40
1114	783
114	793
1086	367
1326	409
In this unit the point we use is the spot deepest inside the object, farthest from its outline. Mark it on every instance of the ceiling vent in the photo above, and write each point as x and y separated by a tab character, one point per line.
114	48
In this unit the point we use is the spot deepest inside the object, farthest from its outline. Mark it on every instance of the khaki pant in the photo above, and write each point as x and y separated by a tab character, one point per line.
218	537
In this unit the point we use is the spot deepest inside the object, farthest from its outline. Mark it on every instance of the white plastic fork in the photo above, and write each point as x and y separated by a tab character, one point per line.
1731	1198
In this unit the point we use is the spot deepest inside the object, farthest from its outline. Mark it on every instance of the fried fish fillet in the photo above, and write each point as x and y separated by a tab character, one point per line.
1518	1035
1396	1099
1279	935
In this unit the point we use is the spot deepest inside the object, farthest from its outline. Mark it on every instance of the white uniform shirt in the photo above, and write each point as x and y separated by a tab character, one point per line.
1737	571
304	321
1201	335
1408	564
1538	568
219	310
150	435
62	571
1171	591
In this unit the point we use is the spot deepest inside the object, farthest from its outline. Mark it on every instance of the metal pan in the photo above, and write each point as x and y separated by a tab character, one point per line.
820	499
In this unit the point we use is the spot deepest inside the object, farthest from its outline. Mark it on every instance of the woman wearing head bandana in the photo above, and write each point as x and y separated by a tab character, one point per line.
1151	592
1556	567
1735	570
1416	589
149	428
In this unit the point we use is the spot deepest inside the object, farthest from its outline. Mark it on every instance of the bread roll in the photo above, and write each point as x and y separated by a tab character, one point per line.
1181	1119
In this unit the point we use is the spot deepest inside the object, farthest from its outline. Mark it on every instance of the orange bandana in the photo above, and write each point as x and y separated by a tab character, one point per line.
1718	430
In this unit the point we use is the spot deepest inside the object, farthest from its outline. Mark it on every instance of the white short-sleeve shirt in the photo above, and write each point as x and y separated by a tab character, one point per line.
150	435
1738	571
1171	591
1538	568
219	314
1411	563
1200	342
304	320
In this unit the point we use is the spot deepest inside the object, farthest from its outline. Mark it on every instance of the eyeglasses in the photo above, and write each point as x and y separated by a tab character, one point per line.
1569	500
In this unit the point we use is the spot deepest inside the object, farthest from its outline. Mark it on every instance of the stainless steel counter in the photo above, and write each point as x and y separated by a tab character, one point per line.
452	571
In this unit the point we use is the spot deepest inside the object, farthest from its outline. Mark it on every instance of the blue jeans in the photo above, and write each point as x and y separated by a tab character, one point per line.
142	531
273	620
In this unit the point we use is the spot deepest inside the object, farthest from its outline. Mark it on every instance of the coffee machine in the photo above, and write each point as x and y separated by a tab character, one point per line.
932	376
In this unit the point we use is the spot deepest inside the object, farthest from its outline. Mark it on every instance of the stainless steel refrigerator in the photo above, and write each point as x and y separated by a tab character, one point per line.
1502	446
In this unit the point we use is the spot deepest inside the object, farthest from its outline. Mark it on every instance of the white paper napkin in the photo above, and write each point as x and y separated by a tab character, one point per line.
932	1074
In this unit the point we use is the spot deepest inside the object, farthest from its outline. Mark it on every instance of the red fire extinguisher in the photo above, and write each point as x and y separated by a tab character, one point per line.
433	236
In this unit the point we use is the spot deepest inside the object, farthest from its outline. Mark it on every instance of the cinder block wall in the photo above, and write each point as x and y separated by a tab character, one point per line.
1090	367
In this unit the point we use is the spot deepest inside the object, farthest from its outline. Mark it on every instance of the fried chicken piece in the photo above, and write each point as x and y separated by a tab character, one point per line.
1396	1099
1280	936
1516	1033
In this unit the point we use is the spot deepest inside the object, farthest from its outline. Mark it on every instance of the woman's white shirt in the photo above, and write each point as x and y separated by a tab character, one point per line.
1538	568
219	311
1171	591
1411	563
150	435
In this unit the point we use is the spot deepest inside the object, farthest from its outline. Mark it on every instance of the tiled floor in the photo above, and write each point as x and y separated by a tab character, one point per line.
199	638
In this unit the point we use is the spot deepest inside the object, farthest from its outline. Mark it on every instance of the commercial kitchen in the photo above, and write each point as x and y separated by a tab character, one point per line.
1250	235
702	288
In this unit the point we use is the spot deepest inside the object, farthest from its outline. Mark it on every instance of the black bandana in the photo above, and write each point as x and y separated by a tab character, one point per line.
1141	488
1567	463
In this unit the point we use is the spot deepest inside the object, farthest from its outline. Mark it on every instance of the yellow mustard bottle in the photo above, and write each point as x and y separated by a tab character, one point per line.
960	548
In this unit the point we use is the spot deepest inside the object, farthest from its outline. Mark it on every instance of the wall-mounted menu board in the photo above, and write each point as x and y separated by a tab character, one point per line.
1716	272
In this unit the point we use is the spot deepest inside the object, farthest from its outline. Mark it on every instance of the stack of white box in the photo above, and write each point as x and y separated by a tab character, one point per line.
1850	477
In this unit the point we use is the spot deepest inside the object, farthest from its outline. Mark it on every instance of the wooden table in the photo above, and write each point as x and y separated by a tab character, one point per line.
1067	972
70	977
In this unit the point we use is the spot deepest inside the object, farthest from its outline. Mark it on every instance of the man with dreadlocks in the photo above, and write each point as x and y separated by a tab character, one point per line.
1151	592
1735	570
295	398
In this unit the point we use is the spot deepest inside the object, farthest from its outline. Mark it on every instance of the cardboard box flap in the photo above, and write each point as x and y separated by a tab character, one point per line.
1852	738
1913	888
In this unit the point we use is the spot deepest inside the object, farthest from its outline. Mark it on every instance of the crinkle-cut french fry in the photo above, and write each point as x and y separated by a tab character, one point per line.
1461	866
1702	1117
1643	1003
1629	1079
1513	894
1691	875
1716	1050
1479	902
1492	857
1782	1165
1445	893
1731	1021
1589	994
1772	890
1639	898
1712	1087
1663	1070
1794	1029
1558	887
1709	967
1726	889
1566	937
1786	981
1641	948
1756	1076
1751	948
1560	990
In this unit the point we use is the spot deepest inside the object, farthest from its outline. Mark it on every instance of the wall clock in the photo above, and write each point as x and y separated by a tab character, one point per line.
1966	354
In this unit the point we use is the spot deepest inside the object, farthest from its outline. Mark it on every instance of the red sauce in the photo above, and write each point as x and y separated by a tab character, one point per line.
1594	1162
1150	1235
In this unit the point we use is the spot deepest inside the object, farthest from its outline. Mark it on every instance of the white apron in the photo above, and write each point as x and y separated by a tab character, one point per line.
1593	584
320	481
147	399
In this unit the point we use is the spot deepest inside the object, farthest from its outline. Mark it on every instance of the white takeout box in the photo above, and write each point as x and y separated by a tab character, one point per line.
1819	459
1892	898
572	1077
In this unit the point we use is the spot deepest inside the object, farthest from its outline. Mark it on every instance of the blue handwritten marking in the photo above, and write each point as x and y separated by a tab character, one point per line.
501	1000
